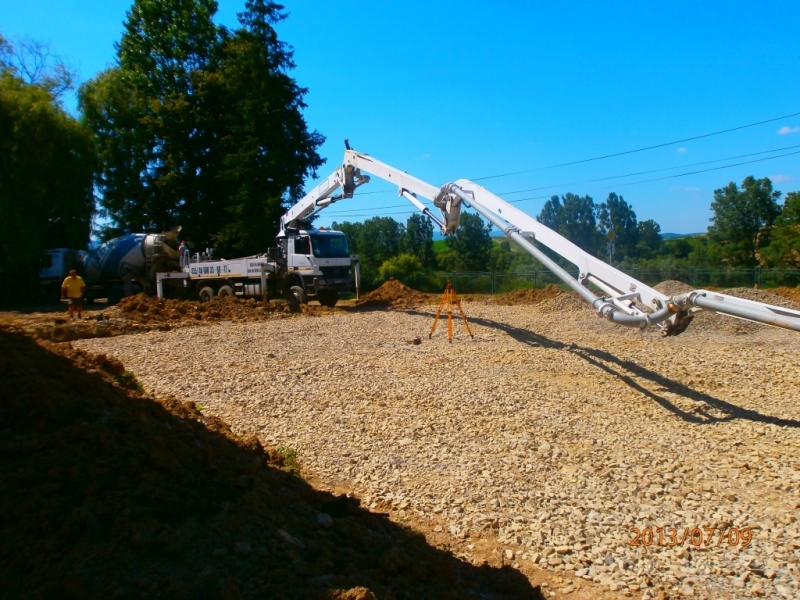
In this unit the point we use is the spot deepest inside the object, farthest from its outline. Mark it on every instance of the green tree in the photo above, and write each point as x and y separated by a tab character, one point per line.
265	150
406	267
201	126
380	240
375	241
649	239
573	217
617	215
46	163
352	231
784	247
418	240
742	220
470	244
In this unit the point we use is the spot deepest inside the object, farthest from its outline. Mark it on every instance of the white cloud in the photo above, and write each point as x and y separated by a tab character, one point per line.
780	178
681	150
425	156
787	130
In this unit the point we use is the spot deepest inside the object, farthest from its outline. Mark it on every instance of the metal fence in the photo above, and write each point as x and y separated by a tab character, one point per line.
499	283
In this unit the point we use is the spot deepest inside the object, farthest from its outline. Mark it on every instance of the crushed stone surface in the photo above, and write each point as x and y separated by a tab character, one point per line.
106	491
552	434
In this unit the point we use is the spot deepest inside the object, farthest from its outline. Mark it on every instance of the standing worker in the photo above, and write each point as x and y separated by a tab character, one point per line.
182	250
72	289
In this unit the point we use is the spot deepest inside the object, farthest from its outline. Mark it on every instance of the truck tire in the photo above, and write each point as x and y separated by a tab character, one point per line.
206	294
299	293
328	298
225	291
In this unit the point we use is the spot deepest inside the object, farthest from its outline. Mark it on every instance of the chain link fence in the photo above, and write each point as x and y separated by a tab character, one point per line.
500	283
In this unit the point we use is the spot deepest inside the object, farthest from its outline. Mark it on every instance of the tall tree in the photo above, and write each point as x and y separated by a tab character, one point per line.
46	163
352	231
742	218
573	217
381	239
784	246
265	149
418	240
470	244
617	215
201	126
649	239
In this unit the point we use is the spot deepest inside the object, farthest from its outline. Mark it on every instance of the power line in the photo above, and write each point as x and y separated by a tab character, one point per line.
705	162
689	139
747	162
360	211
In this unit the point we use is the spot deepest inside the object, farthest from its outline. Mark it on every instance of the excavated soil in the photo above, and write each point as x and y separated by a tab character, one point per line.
109	492
148	309
142	313
396	294
787	292
534	296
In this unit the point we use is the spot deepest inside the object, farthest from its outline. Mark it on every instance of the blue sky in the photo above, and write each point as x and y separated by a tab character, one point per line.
446	90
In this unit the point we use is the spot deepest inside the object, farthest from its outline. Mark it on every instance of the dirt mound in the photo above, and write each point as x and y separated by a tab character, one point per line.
564	302
394	293
150	309
105	491
672	287
787	292
530	296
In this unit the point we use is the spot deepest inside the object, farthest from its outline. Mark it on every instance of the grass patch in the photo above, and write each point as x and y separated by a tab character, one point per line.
128	380
288	459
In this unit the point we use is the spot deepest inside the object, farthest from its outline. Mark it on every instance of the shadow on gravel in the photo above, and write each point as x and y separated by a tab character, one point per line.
105	492
624	370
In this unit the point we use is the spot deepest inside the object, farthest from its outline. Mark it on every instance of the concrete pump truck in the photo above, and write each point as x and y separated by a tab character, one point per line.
308	263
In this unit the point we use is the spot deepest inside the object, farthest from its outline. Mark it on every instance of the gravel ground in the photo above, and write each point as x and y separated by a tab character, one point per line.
552	434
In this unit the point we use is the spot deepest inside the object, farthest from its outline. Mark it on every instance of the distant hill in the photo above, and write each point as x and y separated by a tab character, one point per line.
672	236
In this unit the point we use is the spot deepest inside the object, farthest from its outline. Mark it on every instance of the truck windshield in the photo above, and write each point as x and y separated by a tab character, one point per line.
330	246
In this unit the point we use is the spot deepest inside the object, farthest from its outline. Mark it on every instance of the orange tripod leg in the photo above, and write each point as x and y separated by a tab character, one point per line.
438	314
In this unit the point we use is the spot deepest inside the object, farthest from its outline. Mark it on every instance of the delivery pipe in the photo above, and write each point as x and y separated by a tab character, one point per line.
603	307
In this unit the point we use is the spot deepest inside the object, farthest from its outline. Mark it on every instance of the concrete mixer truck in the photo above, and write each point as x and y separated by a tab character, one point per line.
144	254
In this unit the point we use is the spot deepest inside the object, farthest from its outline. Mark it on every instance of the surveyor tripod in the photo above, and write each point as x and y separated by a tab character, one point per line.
450	298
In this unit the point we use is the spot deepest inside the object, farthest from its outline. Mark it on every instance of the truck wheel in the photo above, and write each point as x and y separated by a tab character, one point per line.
298	293
206	294
225	291
328	299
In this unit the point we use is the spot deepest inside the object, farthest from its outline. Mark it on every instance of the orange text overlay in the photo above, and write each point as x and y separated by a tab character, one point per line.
694	536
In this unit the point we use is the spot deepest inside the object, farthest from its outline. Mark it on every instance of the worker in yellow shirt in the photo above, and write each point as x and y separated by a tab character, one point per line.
72	289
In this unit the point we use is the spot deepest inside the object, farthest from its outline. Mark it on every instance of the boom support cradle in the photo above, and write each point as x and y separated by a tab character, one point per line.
625	300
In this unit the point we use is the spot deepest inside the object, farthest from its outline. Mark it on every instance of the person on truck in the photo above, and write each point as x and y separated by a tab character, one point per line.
72	289
182	250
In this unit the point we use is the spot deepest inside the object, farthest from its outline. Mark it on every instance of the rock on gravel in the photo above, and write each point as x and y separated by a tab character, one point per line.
552	434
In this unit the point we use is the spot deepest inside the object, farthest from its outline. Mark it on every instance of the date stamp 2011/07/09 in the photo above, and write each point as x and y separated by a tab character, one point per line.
696	536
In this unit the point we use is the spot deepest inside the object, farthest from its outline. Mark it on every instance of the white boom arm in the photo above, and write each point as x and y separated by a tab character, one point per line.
621	291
